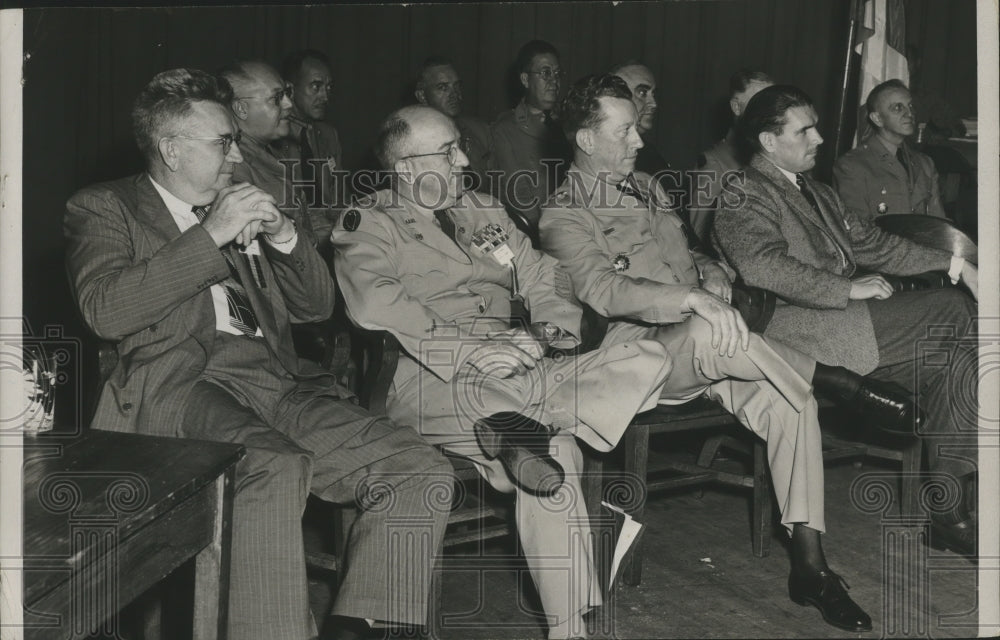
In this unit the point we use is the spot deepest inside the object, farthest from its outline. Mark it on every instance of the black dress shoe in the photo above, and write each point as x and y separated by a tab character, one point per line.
522	445
825	591
959	537
885	405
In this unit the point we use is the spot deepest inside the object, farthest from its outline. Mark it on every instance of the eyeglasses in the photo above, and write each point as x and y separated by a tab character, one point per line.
276	98
451	153
226	140
548	74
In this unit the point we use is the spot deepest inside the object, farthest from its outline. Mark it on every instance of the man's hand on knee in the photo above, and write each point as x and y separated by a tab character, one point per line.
729	331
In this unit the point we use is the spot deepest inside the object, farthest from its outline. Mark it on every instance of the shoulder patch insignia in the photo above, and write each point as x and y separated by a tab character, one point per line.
352	220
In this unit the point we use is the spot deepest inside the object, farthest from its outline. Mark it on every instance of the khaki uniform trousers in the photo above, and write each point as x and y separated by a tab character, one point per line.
592	397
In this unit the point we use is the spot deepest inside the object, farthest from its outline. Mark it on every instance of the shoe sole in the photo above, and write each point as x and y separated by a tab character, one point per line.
808	601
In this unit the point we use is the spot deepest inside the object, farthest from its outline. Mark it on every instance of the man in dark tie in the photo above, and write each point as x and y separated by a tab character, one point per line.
794	236
885	174
629	260
443	270
197	281
312	140
439	86
529	148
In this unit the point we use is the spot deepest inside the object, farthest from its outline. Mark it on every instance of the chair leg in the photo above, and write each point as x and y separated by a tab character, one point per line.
910	477
636	463
709	450
761	534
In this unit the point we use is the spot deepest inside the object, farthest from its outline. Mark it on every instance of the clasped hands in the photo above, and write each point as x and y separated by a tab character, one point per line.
241	211
511	352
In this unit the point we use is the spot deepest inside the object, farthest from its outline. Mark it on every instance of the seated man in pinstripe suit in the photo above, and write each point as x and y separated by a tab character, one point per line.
198	281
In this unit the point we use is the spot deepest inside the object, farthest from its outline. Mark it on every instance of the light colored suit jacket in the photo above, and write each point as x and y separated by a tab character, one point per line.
142	283
775	240
400	273
872	182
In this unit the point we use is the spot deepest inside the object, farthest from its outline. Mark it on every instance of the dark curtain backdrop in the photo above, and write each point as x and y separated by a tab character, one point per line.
86	66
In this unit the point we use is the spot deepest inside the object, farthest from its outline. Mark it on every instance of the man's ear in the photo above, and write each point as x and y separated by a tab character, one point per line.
420	95
875	118
585	140
734	105
524	80
402	169
168	150
239	109
768	141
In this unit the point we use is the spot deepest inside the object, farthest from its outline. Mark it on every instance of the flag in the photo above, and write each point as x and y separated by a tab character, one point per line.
882	45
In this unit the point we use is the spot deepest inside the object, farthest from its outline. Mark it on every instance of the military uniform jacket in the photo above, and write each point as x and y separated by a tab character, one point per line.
142	283
325	144
627	259
872	182
717	165
477	144
777	241
399	272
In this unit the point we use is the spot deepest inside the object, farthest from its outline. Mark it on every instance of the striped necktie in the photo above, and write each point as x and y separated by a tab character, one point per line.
241	315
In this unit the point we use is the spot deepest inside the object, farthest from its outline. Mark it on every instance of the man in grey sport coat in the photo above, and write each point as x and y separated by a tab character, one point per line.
793	236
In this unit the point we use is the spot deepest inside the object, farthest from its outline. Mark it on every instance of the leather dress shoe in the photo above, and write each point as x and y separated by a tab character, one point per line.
959	537
522	445
885	405
826	591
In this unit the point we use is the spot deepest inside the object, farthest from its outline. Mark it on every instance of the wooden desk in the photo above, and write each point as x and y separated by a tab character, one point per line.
108	515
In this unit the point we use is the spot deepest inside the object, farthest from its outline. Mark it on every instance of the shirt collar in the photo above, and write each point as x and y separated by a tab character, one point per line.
175	205
792	177
888	146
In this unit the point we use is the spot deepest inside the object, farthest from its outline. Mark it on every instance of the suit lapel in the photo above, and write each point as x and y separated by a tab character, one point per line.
153	214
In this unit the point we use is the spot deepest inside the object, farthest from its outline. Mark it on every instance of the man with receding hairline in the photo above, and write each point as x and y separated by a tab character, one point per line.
197	281
444	271
885	174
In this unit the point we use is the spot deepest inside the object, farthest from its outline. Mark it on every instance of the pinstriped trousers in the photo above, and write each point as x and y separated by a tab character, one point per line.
301	437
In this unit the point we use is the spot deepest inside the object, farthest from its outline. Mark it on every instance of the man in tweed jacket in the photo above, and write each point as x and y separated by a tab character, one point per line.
793	236
205	351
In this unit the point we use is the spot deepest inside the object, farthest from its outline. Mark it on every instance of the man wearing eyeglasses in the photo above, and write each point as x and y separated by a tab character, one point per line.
529	148
439	86
205	352
312	141
262	108
884	174
445	271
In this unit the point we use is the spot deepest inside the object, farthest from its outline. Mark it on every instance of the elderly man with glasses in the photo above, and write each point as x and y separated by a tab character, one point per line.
197	281
262	108
529	147
444	271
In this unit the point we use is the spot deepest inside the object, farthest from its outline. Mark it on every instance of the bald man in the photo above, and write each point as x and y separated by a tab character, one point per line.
262	108
442	270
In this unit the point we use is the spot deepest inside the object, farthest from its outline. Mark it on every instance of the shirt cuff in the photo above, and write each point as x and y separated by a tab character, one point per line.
955	271
287	246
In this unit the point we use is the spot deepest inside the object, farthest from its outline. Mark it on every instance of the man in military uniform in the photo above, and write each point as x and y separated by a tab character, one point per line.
262	108
885	174
440	269
529	148
439	86
629	259
718	164
312	141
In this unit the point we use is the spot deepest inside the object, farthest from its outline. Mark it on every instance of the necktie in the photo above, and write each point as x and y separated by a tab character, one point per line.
807	192
902	159
241	314
631	188
447	225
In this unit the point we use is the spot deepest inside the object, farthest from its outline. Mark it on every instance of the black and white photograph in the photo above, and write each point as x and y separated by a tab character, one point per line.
475	320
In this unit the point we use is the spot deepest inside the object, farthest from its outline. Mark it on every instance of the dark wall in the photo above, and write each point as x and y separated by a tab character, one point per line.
86	66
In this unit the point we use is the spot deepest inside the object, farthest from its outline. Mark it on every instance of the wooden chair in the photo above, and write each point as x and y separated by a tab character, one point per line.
699	415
